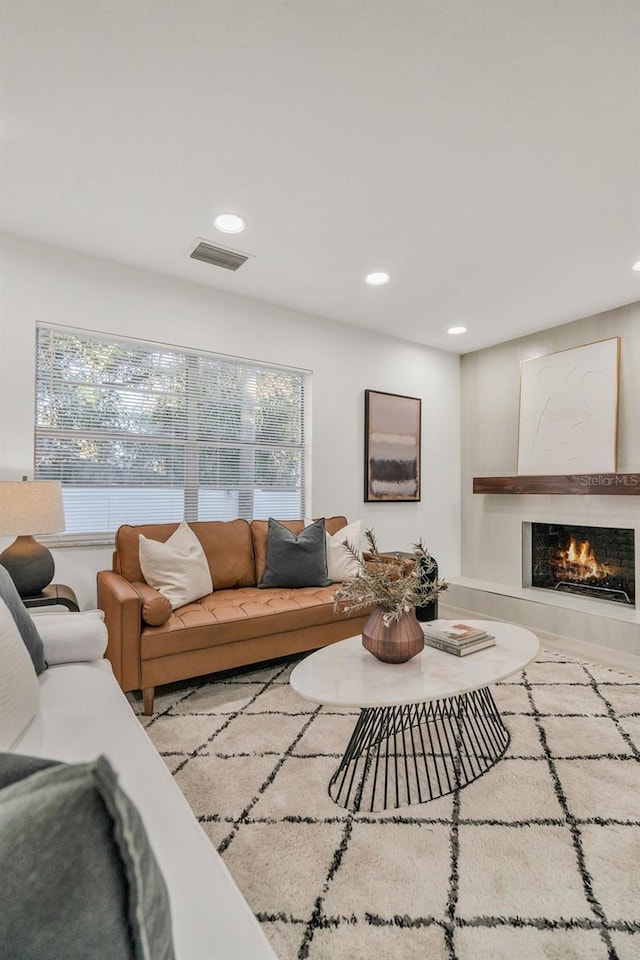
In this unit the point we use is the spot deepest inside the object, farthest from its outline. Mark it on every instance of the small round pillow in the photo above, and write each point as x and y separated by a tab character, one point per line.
156	609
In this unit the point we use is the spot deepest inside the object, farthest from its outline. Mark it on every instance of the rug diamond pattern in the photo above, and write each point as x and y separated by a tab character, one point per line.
539	858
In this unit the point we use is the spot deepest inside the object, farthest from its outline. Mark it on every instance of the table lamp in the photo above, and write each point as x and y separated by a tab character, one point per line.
28	507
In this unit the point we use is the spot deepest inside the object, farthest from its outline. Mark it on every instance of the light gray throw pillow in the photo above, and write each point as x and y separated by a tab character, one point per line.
23	621
296	561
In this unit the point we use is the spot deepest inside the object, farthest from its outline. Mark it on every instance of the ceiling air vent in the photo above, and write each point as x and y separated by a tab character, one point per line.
218	256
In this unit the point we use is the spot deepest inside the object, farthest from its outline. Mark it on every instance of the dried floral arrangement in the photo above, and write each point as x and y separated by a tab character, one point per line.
389	582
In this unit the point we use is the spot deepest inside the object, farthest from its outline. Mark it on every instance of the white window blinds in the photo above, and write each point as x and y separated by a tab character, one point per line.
145	433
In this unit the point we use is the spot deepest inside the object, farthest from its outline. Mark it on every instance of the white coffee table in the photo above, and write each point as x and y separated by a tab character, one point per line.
425	727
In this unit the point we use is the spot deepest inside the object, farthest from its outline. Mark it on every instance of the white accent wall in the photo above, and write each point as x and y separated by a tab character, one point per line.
491	581
48	284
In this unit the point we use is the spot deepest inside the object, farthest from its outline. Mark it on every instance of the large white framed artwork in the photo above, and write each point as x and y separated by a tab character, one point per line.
569	411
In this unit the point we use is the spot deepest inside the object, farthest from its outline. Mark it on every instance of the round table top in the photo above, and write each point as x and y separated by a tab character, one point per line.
345	674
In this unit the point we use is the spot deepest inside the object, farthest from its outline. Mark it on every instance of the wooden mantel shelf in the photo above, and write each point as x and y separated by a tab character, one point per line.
586	484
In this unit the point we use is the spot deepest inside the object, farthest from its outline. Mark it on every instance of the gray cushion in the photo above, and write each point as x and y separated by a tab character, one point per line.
79	879
24	622
15	766
296	561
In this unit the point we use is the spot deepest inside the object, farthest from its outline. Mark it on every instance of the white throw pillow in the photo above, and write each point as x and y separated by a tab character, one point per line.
18	681
341	565
177	569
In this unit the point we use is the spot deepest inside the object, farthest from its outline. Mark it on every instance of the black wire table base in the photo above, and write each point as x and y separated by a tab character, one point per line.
419	751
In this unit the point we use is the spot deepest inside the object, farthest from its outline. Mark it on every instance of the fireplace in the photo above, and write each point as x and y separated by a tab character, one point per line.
597	562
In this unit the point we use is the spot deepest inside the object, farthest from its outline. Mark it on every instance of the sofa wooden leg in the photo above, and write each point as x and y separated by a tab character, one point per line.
147	699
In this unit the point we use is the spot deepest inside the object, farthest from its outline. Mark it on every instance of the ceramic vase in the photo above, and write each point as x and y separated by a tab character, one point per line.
397	643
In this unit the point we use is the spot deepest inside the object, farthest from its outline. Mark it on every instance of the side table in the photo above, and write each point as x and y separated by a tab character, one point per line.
56	594
430	610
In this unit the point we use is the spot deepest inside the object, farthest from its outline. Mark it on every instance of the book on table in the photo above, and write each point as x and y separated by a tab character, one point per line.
461	649
450	631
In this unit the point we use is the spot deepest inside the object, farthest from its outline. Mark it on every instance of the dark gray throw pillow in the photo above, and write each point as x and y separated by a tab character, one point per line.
24	623
79	878
15	766
296	561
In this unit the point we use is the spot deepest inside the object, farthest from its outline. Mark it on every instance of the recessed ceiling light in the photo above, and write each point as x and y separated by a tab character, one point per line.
376	279
636	266
454	331
229	223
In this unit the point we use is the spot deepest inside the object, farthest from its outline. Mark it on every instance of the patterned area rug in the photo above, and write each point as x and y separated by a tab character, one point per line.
537	859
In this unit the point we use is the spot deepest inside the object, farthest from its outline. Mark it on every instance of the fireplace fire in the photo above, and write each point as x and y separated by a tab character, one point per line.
589	561
578	562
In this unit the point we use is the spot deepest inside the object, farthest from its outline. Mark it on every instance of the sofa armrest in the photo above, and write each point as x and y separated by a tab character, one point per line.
122	608
72	638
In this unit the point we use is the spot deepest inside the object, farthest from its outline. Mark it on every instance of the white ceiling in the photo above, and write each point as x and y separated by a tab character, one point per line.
486	153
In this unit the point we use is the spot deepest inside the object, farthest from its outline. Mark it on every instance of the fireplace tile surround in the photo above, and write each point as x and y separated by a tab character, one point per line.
578	625
491	584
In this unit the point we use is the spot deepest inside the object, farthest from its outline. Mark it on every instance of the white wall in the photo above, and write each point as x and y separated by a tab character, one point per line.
491	525
42	283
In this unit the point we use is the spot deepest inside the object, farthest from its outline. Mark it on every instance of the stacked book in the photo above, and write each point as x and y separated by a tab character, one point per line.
457	638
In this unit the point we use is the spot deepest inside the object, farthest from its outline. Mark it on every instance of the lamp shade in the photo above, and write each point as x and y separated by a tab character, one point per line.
31	507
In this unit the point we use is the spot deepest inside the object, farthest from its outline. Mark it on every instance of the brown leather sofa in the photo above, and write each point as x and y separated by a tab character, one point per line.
235	625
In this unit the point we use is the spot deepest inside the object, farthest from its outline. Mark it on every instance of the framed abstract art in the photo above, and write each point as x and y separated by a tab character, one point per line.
569	411
391	447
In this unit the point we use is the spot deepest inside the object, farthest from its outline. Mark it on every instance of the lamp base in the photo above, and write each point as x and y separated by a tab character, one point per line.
29	564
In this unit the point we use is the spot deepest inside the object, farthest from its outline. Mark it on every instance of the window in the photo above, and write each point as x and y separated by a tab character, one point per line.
146	433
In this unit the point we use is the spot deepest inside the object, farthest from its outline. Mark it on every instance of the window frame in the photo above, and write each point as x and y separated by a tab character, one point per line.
192	486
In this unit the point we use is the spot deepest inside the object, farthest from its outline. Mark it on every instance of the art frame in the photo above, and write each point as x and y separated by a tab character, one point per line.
568	413
392	447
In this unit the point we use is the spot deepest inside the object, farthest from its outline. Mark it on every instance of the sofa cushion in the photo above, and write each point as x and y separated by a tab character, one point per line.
229	549
227	545
18	681
97	854
23	621
295	560
231	616
260	529
177	568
